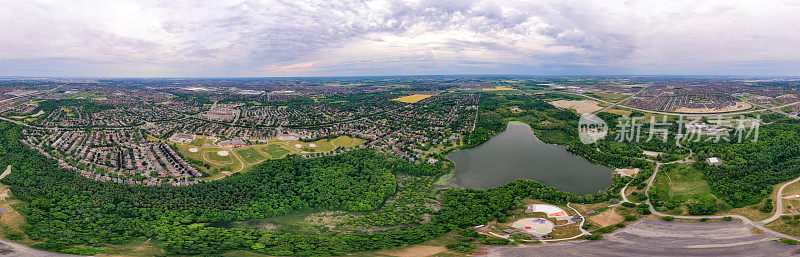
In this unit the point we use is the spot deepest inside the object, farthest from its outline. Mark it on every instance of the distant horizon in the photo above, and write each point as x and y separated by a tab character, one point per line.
268	38
389	76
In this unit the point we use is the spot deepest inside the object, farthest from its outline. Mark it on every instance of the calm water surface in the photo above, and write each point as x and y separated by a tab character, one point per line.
516	153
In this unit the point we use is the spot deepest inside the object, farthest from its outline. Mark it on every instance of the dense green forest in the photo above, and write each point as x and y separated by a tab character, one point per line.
749	169
66	210
71	213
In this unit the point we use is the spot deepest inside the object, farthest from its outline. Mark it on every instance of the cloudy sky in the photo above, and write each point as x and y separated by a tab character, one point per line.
185	38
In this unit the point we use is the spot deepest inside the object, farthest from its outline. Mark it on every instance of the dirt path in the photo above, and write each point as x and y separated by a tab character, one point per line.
649	237
755	224
5	173
778	202
9	248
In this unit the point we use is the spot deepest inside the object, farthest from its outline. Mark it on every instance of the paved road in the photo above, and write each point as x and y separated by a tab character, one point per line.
12	249
755	224
9	248
684	114
779	203
650	237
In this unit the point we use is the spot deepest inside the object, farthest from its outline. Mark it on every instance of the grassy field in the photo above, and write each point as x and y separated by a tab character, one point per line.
275	150
681	183
347	142
254	154
411	99
611	97
250	155
214	157
141	247
789	227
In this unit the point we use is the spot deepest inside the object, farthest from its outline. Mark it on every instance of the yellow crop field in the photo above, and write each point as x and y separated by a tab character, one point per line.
499	88
412	98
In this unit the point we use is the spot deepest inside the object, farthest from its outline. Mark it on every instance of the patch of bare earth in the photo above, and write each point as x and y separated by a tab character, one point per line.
607	218
414	251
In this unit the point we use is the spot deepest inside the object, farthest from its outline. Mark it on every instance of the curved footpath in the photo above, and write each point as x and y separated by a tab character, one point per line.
650	237
757	224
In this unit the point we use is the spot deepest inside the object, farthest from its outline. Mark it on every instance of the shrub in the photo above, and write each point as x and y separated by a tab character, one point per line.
619	225
727	218
468	232
788	241
605	230
587	226
14	235
668	218
593	237
628	204
462	247
494	241
630	217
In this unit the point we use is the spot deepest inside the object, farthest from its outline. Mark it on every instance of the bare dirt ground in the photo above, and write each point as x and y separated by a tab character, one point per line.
414	251
740	106
607	218
651	237
582	107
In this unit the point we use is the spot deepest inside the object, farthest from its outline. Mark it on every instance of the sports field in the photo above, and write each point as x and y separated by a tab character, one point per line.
250	155
275	151
680	183
347	142
412	98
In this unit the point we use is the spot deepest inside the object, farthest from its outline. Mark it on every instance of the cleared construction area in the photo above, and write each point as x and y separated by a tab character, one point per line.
650	237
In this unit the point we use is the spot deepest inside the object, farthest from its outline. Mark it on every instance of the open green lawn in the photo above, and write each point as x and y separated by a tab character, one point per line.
611	97
250	155
680	183
347	142
197	142
275	150
214	157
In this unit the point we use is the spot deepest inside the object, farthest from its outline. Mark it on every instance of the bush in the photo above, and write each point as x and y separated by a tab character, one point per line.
630	217
586	227
14	235
605	230
468	232
495	241
703	219
619	225
786	217
462	247
593	237
727	218
668	218
628	204
788	241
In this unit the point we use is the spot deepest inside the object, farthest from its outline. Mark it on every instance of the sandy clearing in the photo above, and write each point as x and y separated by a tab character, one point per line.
582	106
607	218
223	153
740	106
414	251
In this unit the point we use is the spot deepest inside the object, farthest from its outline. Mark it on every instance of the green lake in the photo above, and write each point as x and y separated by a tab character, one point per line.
516	153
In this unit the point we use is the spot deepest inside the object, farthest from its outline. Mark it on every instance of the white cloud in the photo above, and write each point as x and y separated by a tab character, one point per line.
254	38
